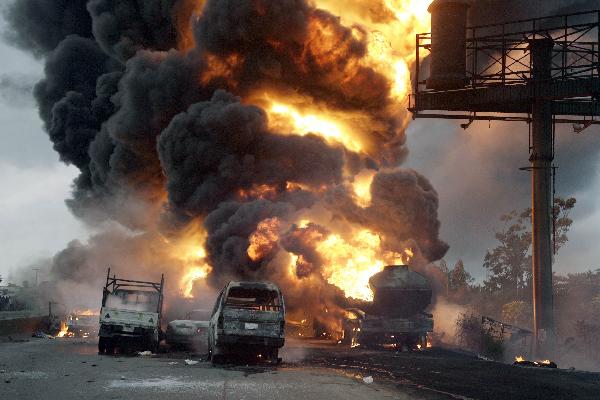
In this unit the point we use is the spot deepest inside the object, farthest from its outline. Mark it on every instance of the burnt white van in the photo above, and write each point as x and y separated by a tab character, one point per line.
248	320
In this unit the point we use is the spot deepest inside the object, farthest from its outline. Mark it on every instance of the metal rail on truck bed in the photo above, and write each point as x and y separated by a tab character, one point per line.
113	283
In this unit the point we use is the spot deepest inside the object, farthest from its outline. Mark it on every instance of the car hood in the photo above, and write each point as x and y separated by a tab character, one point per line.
184	323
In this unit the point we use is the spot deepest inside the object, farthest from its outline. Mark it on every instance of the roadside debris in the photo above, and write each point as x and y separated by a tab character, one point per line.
146	353
173	363
191	362
40	335
522	362
368	379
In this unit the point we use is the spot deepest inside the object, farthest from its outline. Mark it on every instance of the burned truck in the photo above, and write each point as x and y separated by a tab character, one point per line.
397	316
130	316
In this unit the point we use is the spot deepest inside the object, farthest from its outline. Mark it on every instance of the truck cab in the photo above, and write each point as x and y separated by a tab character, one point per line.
248	320
130	315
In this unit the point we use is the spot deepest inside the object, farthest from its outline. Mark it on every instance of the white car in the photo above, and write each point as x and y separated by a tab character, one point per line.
190	332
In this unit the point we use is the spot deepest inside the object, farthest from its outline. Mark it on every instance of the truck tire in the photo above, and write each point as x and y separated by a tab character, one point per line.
101	345
110	346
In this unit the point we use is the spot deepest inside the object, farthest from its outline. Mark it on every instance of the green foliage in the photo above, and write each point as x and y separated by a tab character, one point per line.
517	313
459	278
509	263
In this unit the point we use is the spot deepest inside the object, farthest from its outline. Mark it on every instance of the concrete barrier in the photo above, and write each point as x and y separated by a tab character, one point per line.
22	322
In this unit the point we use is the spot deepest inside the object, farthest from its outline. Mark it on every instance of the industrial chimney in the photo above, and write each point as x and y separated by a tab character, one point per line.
448	44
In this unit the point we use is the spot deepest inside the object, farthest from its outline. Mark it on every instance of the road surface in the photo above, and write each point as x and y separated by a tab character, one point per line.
69	369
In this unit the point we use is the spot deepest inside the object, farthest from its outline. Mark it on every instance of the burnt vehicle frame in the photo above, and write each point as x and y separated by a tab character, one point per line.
246	327
129	329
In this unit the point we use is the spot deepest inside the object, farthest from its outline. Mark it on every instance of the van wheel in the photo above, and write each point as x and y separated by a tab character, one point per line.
215	356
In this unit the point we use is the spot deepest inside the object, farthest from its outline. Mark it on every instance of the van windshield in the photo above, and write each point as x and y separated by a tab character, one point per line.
253	299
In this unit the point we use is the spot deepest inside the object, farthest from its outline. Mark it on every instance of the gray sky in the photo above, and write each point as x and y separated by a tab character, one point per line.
476	173
34	220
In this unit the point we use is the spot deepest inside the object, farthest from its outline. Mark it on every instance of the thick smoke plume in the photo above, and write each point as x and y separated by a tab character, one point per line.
267	134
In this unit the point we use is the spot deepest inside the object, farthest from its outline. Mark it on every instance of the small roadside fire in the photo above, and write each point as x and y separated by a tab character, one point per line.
64	330
522	362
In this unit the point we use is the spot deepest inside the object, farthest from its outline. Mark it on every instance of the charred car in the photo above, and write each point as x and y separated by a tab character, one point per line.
248	320
189	332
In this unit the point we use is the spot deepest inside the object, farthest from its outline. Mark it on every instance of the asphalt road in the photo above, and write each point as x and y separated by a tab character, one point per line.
68	369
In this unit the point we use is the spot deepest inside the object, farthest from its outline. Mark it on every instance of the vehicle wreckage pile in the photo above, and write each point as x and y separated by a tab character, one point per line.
248	318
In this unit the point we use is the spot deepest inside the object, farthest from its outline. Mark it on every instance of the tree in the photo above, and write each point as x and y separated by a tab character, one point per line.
509	263
458	277
517	313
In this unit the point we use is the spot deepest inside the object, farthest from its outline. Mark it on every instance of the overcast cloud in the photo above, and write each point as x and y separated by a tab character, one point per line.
34	220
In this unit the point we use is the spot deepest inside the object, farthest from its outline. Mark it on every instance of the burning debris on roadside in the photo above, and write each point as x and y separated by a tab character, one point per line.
522	362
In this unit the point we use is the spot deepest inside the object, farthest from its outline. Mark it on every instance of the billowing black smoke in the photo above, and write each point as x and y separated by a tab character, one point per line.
142	115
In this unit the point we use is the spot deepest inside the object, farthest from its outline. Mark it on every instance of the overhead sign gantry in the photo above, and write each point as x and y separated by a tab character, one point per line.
542	71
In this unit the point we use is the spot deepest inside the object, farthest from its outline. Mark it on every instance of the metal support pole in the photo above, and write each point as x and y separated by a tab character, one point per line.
541	202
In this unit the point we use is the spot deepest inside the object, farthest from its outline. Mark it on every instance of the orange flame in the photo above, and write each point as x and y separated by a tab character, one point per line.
264	239
88	312
190	251
64	329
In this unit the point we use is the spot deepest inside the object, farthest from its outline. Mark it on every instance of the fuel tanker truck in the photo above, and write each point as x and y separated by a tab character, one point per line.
396	317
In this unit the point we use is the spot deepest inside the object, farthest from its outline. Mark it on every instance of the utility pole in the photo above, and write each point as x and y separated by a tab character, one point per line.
541	157
36	275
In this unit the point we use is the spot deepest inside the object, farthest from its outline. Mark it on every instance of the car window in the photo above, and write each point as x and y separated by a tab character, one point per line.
253	298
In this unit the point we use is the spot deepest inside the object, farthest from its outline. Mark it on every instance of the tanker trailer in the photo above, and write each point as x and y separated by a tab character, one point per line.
397	317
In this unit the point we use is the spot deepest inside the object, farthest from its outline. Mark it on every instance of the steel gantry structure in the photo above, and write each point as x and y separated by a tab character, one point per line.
542	71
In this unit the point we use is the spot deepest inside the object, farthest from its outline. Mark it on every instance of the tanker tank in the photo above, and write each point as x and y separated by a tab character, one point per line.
399	292
397	316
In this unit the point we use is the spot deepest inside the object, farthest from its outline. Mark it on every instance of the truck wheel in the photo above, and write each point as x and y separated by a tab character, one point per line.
110	347
101	345
154	347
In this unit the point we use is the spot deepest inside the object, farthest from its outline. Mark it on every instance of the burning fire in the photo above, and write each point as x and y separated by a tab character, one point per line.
387	31
88	312
192	254
347	262
264	239
362	187
285	117
64	330
519	358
